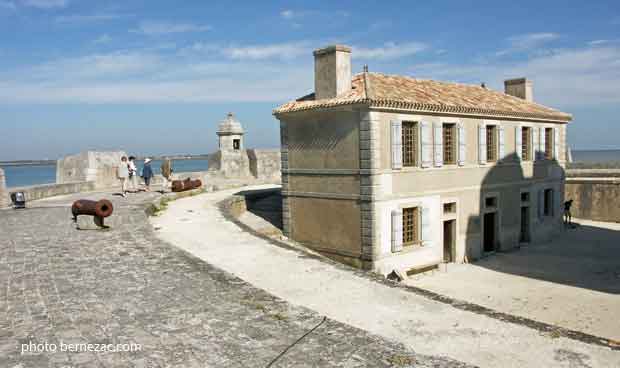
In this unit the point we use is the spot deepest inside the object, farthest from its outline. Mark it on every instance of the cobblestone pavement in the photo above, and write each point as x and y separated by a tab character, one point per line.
59	285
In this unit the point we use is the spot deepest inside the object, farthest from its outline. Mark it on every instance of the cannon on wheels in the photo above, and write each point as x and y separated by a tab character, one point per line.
98	209
187	184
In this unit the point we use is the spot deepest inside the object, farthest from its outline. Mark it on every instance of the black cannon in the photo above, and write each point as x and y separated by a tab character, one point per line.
187	184
98	209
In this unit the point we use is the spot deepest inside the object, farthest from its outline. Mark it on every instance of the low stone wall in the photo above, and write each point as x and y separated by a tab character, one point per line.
35	192
595	198
4	195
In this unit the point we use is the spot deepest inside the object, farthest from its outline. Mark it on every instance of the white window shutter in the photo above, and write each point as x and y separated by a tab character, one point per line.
397	144
482	144
462	144
427	144
535	145
502	143
397	231
541	203
519	142
438	135
425	221
556	143
541	142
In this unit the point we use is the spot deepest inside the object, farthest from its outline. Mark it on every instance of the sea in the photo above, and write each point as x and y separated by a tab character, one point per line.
25	175
18	176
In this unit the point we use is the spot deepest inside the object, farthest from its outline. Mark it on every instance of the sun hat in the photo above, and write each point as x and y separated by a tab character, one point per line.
147	160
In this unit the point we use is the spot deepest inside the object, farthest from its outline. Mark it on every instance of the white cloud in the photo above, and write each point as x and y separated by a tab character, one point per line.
151	28
258	52
562	78
7	5
88	18
288	14
145	77
389	51
105	38
526	42
598	42
45	4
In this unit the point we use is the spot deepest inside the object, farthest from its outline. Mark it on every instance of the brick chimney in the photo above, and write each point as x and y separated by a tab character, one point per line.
332	71
519	87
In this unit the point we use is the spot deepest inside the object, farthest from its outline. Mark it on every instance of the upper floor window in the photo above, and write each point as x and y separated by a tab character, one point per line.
449	144
526	144
548	143
491	143
411	229
410	143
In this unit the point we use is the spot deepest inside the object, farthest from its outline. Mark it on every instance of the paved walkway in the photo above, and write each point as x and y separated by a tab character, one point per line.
429	327
573	281
60	286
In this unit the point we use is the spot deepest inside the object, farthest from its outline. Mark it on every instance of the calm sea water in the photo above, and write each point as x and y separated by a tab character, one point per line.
19	176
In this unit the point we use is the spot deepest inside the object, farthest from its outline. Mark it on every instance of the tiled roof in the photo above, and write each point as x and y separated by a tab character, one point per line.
420	95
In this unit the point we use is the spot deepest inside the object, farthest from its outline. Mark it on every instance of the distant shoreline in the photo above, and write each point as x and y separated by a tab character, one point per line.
53	162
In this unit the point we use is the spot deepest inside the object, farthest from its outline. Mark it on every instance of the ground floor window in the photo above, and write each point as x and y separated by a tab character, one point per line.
548	202
411	232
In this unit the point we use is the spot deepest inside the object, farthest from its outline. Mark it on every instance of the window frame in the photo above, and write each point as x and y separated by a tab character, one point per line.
411	213
492	131
526	143
413	158
449	150
549	143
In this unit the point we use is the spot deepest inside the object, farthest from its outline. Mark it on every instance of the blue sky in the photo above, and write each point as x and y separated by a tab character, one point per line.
155	77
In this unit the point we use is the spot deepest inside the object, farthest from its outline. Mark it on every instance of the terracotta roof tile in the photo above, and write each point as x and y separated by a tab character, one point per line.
404	93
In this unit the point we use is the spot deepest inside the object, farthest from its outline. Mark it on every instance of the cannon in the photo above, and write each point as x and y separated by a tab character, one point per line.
98	209
187	184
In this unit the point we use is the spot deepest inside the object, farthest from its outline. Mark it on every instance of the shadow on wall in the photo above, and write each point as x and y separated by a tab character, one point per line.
529	216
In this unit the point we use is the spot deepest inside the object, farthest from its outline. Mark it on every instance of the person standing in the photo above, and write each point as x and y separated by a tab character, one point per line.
133	175
166	172
123	175
147	174
568	217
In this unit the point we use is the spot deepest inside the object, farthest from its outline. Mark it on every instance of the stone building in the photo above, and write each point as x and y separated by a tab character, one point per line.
388	172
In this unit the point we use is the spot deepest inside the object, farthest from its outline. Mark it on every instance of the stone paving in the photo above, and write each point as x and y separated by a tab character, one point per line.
59	285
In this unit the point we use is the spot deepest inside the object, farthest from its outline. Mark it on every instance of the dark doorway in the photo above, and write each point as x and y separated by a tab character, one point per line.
449	230
525	225
489	232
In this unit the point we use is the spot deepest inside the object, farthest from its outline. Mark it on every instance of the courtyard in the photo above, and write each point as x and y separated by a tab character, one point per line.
573	281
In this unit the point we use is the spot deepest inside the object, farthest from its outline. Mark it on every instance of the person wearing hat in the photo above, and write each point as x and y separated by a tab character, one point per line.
166	172
122	172
147	174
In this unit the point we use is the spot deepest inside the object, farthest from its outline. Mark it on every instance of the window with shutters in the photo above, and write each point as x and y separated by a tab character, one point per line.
491	143
548	143
526	144
410	143
548	205
411	230
449	144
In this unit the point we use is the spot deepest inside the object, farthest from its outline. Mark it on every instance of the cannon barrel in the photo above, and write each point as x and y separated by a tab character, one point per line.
187	184
101	209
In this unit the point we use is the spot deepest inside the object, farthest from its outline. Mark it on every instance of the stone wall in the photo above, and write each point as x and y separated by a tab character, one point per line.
251	163
264	164
596	194
36	192
98	167
4	195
